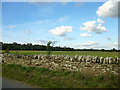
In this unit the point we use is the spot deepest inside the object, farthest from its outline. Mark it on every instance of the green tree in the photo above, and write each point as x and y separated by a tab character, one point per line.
49	48
7	50
102	49
113	49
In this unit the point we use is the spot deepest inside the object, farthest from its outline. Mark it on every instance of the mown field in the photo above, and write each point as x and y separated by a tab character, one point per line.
71	53
45	78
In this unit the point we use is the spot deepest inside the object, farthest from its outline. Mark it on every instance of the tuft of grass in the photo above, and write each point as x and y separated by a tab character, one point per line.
101	78
112	76
64	73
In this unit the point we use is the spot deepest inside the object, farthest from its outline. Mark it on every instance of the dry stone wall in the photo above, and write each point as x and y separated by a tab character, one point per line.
58	62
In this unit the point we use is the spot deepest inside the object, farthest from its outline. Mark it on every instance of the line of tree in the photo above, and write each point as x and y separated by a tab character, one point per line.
29	46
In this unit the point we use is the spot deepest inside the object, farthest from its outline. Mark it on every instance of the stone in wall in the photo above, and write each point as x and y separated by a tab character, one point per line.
101	60
110	60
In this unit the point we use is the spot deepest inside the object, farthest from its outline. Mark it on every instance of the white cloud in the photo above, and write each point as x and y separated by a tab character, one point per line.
95	45
41	22
108	9
68	38
86	45
63	2
27	31
28	24
44	42
116	43
85	35
63	19
113	44
93	26
61	31
100	21
40	3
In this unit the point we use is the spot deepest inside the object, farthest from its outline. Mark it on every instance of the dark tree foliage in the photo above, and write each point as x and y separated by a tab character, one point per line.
29	46
7	50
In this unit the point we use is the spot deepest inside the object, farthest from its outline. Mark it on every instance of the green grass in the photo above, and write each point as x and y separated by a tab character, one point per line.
71	53
43	77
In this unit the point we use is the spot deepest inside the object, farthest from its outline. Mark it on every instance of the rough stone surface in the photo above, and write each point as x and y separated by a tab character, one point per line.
57	62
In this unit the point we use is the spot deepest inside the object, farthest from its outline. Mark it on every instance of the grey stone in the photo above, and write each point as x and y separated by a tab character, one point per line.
101	59
36	57
110	60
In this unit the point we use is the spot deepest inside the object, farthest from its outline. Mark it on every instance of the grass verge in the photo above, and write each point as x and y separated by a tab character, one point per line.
45	78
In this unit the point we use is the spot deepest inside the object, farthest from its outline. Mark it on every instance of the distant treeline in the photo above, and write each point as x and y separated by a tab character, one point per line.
29	46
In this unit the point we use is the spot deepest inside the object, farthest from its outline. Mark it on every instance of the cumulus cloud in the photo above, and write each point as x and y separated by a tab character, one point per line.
61	31
40	3
85	35
41	22
93	26
86	45
95	45
113	44
63	2
108	9
27	31
110	45
63	19
100	21
89	44
116	43
106	46
68	38
44	42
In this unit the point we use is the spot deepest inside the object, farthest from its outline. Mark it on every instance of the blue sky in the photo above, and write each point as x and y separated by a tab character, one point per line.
71	24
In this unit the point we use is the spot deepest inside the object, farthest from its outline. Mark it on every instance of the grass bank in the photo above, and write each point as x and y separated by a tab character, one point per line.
43	77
